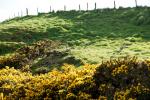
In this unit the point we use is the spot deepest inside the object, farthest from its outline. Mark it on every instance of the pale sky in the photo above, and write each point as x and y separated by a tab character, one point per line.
10	7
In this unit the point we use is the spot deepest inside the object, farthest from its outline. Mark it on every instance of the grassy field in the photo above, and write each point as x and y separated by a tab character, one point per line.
91	36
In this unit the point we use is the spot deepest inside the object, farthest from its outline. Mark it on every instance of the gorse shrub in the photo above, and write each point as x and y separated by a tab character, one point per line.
121	79
130	76
27	54
41	53
55	84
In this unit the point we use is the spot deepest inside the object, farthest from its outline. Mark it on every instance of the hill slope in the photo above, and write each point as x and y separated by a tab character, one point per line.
92	35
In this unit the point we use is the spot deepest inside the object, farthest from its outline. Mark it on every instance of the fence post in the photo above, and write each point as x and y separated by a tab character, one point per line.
136	3
37	11
64	8
27	11
18	14
87	6
21	13
79	8
114	4
50	9
95	6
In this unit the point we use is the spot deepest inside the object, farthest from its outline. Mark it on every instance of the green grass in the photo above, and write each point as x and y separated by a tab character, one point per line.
92	36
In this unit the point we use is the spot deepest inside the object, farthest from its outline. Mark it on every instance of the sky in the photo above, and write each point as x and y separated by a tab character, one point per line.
11	8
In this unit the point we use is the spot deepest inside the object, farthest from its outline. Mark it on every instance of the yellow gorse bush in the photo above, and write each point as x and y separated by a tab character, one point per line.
119	70
120	79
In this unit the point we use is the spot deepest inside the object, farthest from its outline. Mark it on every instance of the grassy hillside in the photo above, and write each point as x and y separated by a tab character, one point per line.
92	35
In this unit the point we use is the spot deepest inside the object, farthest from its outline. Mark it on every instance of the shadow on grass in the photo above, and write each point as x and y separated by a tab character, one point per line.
54	60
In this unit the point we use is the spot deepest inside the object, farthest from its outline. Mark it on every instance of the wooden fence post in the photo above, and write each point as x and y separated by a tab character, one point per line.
79	8
21	13
95	6
18	14
114	4
87	6
50	9
136	3
27	11
64	8
37	11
